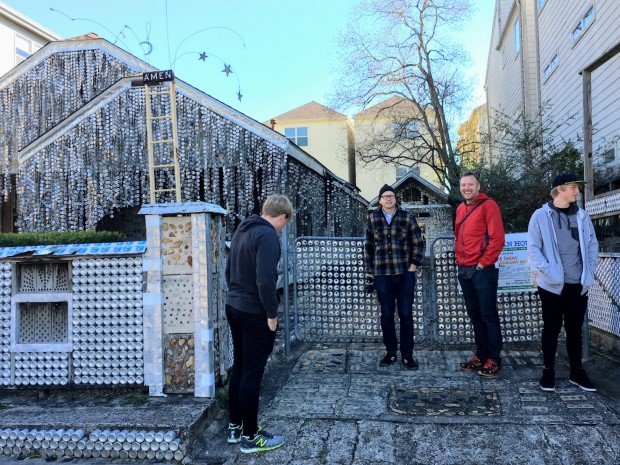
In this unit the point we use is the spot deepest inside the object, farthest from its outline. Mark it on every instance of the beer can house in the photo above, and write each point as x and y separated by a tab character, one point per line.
74	148
92	137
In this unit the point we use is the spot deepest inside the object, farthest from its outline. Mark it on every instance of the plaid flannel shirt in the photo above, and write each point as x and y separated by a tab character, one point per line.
391	249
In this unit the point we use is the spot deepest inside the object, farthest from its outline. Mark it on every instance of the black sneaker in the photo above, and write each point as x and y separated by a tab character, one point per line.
547	381
234	433
579	378
410	363
389	359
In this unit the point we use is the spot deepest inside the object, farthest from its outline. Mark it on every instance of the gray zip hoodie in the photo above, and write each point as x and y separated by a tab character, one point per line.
544	256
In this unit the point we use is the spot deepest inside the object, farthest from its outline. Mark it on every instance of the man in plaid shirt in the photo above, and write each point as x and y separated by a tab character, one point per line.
393	251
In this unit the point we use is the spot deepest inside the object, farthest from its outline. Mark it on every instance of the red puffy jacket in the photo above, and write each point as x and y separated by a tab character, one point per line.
479	237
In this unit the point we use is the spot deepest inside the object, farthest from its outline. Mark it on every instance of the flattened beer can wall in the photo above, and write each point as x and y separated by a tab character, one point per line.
72	320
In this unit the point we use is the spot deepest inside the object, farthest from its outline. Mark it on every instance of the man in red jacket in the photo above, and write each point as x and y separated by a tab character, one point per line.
479	239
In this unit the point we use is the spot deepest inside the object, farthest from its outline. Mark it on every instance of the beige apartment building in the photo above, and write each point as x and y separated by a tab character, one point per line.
389	127
334	140
537	52
322	132
471	144
20	37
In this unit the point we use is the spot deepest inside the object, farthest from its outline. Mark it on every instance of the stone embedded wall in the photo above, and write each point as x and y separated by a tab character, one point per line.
179	363
177	244
178	289
184	293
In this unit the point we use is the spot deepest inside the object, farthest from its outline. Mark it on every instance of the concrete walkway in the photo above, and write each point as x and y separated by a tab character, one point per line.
336	405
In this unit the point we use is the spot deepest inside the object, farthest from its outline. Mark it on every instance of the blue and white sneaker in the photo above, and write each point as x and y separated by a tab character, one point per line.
263	441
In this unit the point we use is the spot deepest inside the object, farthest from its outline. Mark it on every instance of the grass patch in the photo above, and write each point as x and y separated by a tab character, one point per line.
221	397
57	238
137	400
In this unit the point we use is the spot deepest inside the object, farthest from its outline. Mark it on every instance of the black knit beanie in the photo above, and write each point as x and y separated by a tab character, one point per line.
385	189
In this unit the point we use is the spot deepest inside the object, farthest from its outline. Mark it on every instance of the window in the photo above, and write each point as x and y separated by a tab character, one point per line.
406	129
583	24
42	323
411	194
41	308
550	68
24	47
540	4
297	135
517	33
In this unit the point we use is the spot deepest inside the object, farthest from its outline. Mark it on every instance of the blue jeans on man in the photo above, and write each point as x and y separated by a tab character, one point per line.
480	294
397	292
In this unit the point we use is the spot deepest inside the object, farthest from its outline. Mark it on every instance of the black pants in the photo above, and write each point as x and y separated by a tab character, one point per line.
252	344
480	295
397	292
569	306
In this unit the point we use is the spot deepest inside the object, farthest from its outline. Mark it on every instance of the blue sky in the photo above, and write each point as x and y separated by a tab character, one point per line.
287	56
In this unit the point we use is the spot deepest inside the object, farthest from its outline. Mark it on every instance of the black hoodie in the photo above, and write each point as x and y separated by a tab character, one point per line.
251	269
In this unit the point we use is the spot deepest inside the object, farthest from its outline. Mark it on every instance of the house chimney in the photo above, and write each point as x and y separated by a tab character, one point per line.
273	124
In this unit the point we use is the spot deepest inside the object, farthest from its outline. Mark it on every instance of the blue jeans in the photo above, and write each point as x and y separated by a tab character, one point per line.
392	292
480	294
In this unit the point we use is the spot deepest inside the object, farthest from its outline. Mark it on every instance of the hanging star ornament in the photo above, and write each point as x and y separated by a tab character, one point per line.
203	56
227	69
239	95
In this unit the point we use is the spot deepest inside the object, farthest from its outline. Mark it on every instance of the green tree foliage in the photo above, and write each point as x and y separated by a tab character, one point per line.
525	161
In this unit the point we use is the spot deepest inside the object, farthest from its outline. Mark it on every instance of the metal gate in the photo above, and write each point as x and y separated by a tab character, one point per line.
330	304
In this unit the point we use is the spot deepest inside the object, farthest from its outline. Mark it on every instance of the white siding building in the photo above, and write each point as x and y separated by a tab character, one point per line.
20	37
511	83
572	35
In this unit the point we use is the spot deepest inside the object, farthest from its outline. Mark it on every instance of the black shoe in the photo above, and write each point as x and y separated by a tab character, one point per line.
579	378
389	359
410	363
547	381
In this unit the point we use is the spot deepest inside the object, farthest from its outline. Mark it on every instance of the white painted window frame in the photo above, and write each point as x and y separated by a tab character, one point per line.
41	297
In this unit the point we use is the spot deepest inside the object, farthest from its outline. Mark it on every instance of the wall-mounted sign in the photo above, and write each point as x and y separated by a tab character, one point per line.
155	77
514	270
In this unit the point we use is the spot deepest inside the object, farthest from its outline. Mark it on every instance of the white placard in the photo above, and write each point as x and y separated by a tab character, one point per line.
514	269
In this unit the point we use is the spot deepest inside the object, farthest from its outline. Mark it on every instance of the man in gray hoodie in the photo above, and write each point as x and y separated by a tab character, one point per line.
252	313
563	251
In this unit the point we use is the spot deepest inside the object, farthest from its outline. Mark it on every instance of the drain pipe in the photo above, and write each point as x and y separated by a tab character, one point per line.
285	284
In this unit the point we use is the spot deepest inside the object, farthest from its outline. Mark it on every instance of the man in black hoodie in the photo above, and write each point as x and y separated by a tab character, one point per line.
252	313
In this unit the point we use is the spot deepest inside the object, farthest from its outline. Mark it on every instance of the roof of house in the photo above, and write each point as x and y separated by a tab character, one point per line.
417	179
87	36
311	110
393	106
91	41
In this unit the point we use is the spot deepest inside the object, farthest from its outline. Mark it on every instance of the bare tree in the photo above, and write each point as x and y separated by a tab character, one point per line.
400	51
